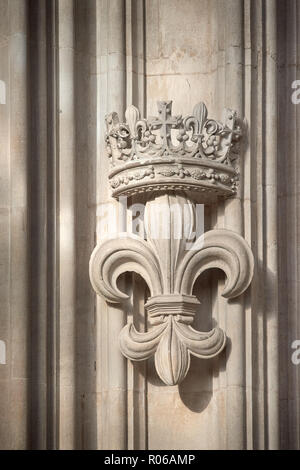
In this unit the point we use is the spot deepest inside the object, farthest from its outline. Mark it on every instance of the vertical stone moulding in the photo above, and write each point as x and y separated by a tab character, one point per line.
173	162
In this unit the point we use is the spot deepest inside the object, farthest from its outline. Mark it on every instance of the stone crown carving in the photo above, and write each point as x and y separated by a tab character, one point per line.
193	153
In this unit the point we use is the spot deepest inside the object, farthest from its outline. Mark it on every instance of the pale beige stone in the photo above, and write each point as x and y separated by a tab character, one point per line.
65	383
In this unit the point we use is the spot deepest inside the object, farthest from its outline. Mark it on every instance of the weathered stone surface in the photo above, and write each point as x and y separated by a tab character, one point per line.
65	383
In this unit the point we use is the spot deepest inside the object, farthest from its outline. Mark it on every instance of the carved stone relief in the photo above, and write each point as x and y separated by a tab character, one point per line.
171	159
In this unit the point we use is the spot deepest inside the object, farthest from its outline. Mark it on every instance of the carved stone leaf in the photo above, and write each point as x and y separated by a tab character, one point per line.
167	172
139	175
120	253
221	249
200	112
172	360
112	122
139	346
203	345
198	174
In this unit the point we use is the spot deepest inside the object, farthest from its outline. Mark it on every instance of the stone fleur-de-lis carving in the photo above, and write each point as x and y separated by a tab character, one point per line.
170	265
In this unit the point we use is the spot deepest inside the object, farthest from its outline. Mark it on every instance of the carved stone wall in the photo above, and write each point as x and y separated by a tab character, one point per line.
65	64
